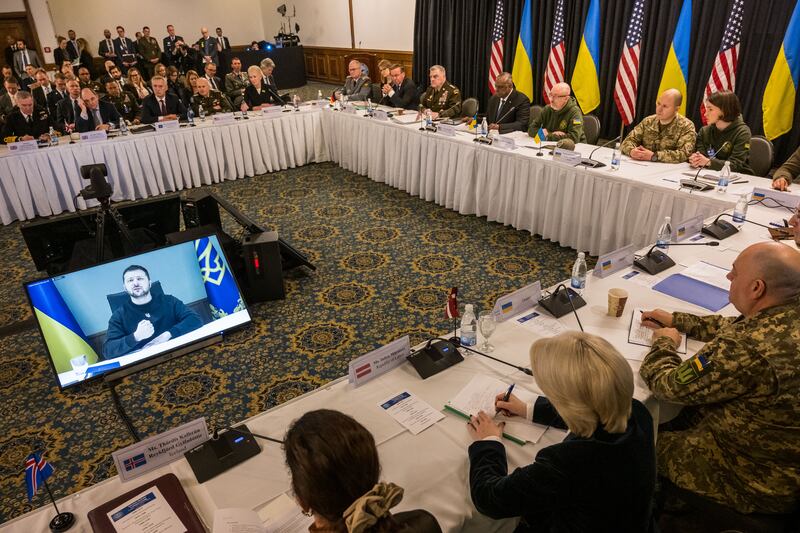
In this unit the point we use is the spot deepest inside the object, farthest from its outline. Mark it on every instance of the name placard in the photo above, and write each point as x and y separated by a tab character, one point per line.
688	228
505	143
613	261
518	301
167	125
567	156
378	362
94	136
773	198
23	146
158	450
224	118
380	114
446	129
349	109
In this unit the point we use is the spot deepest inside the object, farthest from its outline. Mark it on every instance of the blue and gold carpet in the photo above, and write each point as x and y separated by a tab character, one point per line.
386	261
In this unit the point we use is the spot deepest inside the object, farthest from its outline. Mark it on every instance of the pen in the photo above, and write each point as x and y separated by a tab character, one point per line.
775	224
667	179
785	223
654	321
508	393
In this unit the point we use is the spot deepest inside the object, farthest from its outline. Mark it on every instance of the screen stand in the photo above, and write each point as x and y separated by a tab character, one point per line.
112	386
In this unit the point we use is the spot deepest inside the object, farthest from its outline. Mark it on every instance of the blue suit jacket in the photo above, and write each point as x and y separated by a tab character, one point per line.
108	113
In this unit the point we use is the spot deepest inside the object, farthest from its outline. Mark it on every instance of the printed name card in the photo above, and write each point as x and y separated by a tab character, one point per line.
687	228
566	156
446	129
518	301
380	114
614	261
23	146
773	198
349	109
167	125
378	362
94	136
224	118
505	143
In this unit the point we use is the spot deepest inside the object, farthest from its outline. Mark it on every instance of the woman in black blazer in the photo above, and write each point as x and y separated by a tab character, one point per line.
60	54
602	476
86	56
257	94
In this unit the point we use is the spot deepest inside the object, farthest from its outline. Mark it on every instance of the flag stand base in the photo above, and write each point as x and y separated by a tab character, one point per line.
62	522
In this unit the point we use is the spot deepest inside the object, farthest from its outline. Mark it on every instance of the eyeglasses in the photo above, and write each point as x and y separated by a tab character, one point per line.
554	96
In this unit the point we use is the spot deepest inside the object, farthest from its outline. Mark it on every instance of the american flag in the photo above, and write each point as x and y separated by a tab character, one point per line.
496	62
723	75
555	62
628	71
37	470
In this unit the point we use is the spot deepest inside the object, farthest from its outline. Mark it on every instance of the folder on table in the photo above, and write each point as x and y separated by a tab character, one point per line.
694	291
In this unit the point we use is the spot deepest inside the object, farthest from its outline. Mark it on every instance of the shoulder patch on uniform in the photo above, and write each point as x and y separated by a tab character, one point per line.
746	146
692	369
563	125
577	121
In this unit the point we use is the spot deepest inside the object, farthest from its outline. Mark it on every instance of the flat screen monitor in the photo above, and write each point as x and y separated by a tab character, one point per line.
130	313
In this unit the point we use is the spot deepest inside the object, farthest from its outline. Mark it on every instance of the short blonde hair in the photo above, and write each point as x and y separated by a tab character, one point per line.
586	379
254	69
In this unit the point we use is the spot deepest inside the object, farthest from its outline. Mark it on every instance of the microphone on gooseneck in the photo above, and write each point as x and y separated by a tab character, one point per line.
720	229
215	435
615	139
512	365
593	163
655	261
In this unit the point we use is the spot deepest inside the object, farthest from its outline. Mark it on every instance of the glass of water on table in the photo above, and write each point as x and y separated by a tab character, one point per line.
487	324
79	365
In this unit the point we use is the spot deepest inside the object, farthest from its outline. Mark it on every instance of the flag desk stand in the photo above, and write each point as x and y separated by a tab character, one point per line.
455	338
61	521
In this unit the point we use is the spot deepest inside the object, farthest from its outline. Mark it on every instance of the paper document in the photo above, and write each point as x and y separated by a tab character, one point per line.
236	520
708	273
643	336
412	413
640	278
147	512
283	515
539	323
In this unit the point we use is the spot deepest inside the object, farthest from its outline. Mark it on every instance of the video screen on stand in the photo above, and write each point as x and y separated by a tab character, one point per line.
113	315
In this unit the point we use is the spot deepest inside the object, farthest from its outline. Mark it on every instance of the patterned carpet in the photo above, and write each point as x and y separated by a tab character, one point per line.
385	263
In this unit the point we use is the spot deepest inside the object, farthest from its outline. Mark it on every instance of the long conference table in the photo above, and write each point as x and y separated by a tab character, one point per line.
433	465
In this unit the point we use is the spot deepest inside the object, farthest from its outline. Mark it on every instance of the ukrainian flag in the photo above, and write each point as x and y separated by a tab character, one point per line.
223	295
676	71
65	339
779	96
586	76
473	123
522	71
539	138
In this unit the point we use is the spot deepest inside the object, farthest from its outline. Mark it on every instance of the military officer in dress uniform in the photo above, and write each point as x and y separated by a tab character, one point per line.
27	121
442	97
212	101
667	136
123	101
356	86
86	81
236	82
150	52
737	441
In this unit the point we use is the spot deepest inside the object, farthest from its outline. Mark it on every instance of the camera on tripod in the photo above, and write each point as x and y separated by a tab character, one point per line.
99	188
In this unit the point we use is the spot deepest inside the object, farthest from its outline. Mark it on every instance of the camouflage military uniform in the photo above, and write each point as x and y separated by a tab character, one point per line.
742	448
125	104
446	101
671	143
210	103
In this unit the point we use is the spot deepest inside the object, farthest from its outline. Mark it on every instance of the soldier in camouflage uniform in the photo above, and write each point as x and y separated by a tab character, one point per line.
666	136
442	97
123	101
212	101
742	445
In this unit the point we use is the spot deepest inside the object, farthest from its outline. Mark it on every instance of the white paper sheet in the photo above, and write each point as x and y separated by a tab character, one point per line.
147	512
539	323
237	520
640	278
412	413
283	515
643	336
708	273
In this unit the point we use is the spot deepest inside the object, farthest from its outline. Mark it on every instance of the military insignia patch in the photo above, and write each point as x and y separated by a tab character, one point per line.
563	125
691	369
576	122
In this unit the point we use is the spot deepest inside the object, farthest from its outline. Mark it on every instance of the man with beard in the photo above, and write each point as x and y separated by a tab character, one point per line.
146	319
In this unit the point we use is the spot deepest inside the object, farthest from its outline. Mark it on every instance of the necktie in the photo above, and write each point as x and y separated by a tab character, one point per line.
124	45
24	59
29	119
163	107
222	43
109	46
75	110
97	118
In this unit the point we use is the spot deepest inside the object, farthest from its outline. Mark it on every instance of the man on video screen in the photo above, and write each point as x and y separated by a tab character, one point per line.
145	320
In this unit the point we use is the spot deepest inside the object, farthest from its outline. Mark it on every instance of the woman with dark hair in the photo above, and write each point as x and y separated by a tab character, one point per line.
60	54
335	470
85	56
725	138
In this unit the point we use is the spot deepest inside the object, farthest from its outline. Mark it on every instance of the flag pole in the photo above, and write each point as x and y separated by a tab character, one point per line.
621	131
62	521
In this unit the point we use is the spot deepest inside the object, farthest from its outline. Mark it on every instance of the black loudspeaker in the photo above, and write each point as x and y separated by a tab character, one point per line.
263	271
200	209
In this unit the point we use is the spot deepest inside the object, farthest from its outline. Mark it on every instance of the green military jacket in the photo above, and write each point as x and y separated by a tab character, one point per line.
148	48
671	143
743	447
446	101
568	119
731	144
790	170
125	104
93	85
215	102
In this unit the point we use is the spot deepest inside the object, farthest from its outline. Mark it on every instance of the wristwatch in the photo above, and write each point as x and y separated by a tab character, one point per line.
654	158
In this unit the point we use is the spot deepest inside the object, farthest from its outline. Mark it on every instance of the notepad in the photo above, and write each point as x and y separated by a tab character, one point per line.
701	284
643	336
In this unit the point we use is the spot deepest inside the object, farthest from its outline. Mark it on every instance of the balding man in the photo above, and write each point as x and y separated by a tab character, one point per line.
209	47
738	441
509	110
442	98
666	136
212	102
356	86
95	114
562	118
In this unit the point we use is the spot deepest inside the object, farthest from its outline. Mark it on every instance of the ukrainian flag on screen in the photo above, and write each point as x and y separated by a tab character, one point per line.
223	295
586	76
779	96
522	70
64	337
539	137
676	70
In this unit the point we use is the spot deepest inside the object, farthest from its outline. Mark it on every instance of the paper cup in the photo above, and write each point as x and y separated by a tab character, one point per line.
617	298
75	136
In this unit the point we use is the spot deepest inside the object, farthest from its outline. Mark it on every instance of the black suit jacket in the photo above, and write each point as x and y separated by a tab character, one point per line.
253	98
52	103
65	114
131	49
515	114
59	56
224	41
151	110
103	48
40	98
169	47
405	96
220	86
72	50
17	126
108	113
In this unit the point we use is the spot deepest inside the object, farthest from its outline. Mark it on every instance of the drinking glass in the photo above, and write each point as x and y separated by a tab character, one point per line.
79	365
487	325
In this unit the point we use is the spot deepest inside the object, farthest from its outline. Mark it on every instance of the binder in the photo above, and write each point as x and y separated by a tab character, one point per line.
693	291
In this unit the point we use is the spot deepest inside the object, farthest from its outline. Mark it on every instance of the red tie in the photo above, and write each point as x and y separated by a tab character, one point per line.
163	107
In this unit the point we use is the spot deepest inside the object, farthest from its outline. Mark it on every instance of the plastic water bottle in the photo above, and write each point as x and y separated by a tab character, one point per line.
190	116
664	235
428	119
369	107
615	157
53	137
296	102
578	281
484	127
123	126
724	178
319	95
469	327
740	211
201	112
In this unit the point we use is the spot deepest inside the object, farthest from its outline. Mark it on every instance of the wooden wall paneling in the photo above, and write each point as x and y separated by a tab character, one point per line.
330	63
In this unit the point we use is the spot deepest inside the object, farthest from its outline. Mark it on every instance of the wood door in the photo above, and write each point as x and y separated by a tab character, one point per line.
16	25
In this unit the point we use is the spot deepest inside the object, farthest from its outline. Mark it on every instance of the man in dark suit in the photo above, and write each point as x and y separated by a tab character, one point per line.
224	43
213	80
11	47
509	110
24	57
105	48
170	42
68	108
402	92
9	100
58	93
95	114
209	47
27	79
161	105
26	122
125	49
42	90
72	45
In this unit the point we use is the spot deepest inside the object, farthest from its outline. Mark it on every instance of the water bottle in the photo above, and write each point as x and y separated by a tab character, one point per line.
724	178
123	126
469	327
201	112
664	235
190	116
428	119
740	211
369	107
484	127
244	114
319	96
53	137
296	102
578	281
615	157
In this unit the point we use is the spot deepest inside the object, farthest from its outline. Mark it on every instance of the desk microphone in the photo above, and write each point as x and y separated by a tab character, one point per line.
655	261
561	302
224	451
497	121
591	163
720	229
512	365
215	435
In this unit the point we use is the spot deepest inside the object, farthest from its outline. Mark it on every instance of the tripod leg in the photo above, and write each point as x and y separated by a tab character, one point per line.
100	236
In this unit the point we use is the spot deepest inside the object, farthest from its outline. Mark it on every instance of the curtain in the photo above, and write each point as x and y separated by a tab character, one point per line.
457	35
